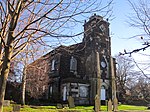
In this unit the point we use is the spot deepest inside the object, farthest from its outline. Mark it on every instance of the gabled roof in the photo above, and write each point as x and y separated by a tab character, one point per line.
72	49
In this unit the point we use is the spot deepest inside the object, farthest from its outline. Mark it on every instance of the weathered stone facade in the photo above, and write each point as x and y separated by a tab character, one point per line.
72	69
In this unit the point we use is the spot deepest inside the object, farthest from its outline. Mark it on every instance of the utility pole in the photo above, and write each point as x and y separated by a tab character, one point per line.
98	72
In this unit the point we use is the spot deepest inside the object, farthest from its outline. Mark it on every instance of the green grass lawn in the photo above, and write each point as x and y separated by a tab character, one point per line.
132	107
76	109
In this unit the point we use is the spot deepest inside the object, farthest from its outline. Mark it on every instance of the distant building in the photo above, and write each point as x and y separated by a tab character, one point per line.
70	70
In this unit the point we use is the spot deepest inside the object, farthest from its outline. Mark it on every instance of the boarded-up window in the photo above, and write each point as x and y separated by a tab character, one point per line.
83	91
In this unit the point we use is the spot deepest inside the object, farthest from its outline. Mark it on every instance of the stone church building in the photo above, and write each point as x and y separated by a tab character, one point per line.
70	70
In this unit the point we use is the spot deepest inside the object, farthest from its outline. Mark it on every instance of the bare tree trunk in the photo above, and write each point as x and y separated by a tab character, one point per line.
0	58
0	54
4	74
8	47
6	64
23	86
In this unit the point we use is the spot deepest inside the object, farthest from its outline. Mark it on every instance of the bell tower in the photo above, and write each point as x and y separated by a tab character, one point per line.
96	35
97	39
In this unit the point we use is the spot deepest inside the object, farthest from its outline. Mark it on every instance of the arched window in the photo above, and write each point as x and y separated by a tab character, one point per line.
103	92
53	64
50	92
73	64
64	93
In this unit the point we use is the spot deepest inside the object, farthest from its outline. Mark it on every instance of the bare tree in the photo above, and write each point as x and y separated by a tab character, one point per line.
123	75
37	87
139	91
19	64
29	55
27	21
140	19
131	85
